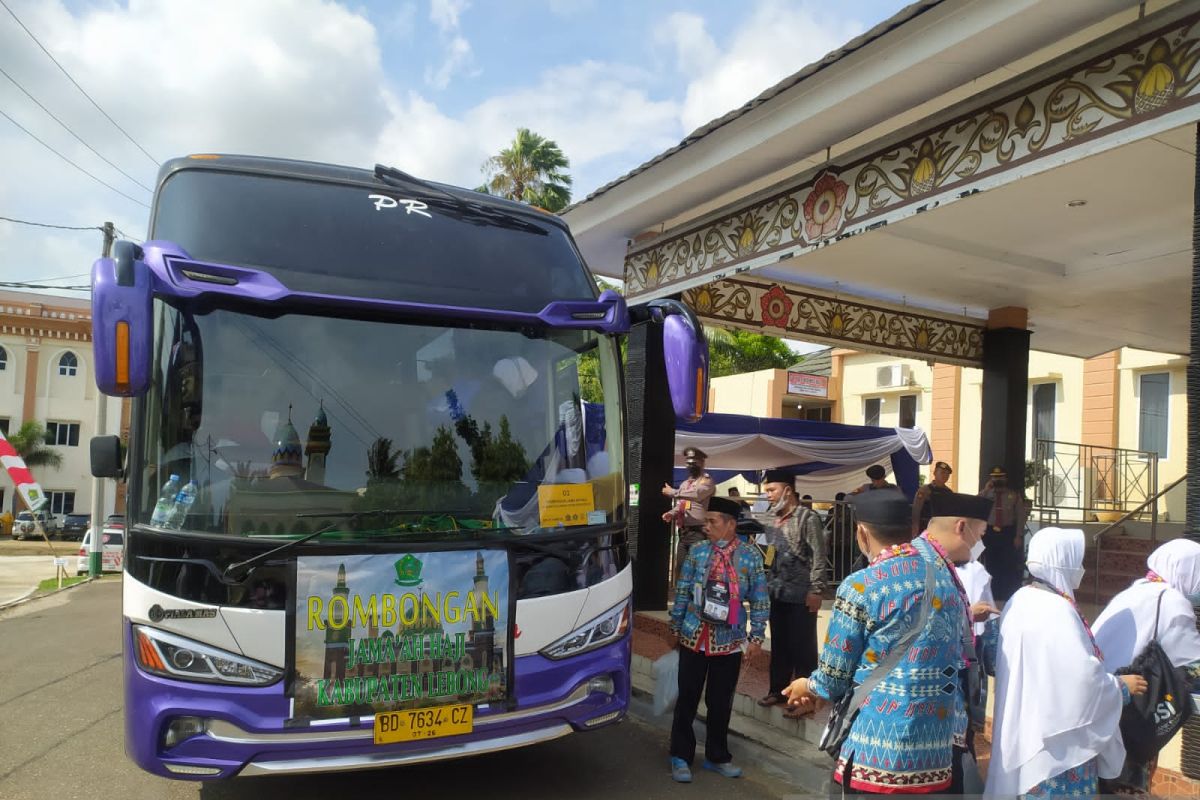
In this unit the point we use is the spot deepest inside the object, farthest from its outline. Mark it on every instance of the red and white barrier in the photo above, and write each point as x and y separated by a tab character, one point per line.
29	489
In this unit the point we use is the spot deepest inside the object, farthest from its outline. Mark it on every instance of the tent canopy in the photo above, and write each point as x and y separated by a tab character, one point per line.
826	457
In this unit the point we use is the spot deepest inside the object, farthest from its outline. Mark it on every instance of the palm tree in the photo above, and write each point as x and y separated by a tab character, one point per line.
381	461
531	170
30	443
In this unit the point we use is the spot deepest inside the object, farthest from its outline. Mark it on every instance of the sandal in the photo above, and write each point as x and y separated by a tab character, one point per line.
772	699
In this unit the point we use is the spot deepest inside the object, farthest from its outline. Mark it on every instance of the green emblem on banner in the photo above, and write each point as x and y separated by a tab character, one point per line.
408	571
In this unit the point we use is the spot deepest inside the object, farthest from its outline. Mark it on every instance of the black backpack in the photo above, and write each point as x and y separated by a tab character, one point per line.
1152	719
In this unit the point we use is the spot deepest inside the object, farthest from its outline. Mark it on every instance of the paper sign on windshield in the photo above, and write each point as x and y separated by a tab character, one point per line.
565	504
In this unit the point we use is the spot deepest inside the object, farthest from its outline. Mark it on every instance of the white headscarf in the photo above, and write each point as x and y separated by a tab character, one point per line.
1056	557
1127	624
1056	706
977	583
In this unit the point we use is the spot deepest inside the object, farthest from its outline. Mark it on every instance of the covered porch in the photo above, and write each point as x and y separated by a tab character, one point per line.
962	183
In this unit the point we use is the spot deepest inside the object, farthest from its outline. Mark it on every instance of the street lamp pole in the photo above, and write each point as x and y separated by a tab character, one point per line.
96	546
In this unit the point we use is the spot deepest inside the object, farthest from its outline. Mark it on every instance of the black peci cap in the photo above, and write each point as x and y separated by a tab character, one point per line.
876	472
778	476
953	504
724	505
887	507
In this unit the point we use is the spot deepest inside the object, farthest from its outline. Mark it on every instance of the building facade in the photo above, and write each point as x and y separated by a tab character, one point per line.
1117	422
46	375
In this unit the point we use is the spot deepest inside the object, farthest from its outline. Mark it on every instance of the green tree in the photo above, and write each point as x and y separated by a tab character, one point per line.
532	169
30	443
381	461
731	352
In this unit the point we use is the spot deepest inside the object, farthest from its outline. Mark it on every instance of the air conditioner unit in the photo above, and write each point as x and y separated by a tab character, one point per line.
892	376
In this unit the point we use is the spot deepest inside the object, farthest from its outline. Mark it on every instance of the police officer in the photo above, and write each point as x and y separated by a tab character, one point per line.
690	505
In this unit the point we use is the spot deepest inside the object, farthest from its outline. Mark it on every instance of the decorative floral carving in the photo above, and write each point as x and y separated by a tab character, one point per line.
756	305
823	207
1152	75
776	307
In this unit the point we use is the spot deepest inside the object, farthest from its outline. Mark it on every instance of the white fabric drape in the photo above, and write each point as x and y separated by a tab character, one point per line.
755	451
1127	624
1056	705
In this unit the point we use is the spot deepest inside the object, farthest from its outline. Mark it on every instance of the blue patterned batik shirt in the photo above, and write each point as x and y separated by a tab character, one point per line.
902	739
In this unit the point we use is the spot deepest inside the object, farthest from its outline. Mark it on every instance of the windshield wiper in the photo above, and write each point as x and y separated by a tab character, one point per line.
468	211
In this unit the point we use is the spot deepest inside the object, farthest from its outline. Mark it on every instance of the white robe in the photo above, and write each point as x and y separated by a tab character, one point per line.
1056	706
1126	626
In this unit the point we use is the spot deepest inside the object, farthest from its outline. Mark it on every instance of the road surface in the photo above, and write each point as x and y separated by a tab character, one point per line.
61	734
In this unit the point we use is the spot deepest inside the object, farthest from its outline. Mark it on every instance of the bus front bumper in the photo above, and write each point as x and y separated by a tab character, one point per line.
244	730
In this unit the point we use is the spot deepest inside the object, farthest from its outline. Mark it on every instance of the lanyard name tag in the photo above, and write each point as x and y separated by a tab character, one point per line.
716	602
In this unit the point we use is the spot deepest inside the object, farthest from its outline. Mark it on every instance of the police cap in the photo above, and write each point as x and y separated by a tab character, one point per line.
691	453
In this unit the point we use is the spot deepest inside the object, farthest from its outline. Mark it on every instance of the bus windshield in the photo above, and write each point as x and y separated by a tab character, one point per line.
287	424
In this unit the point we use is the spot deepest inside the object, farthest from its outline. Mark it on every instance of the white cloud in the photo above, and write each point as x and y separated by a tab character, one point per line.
687	34
445	13
402	23
458	56
777	39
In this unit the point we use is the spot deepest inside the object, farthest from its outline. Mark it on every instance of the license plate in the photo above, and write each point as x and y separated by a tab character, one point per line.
423	723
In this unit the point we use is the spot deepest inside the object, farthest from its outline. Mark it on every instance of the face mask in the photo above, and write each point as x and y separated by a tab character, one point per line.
695	470
1074	577
977	550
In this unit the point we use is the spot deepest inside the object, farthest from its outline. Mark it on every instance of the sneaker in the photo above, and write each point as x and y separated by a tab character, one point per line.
726	770
680	771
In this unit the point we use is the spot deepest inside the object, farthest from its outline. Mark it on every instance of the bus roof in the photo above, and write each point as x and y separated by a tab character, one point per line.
335	173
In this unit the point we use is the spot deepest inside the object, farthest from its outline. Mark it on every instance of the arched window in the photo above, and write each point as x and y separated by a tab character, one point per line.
68	365
3	359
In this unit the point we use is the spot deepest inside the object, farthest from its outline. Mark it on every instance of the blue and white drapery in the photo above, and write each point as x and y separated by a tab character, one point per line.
826	457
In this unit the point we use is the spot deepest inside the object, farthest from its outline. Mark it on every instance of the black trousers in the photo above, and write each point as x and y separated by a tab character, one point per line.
1003	561
793	643
716	677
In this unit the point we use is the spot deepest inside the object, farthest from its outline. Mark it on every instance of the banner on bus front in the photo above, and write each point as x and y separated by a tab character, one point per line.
376	633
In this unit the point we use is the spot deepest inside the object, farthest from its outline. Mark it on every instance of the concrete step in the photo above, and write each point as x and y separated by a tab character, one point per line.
767	726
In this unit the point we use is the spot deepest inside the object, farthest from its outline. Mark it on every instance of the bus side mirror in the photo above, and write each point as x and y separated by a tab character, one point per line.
122	321
106	457
685	351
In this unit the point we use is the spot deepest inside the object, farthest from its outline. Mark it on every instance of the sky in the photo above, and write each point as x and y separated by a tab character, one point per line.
433	87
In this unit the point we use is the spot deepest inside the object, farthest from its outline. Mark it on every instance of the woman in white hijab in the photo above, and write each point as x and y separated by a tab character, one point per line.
1057	709
1127	626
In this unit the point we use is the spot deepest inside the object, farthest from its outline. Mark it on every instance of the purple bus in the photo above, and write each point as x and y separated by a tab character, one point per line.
375	472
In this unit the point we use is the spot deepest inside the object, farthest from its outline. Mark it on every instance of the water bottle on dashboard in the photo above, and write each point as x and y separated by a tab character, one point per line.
166	501
183	505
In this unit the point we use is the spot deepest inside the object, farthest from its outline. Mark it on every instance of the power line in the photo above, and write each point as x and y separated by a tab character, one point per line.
69	161
68	277
21	285
76	84
73	133
58	227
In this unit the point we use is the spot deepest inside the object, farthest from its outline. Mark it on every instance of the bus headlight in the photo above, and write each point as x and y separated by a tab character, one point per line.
604	629
172	656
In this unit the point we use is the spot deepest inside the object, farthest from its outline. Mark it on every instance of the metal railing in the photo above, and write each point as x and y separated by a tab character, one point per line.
1098	538
1092	479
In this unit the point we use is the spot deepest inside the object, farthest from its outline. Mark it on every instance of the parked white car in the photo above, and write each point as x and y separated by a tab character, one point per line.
24	528
112	552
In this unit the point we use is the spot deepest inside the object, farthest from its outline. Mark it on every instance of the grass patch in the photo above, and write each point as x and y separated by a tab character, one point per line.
50	584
